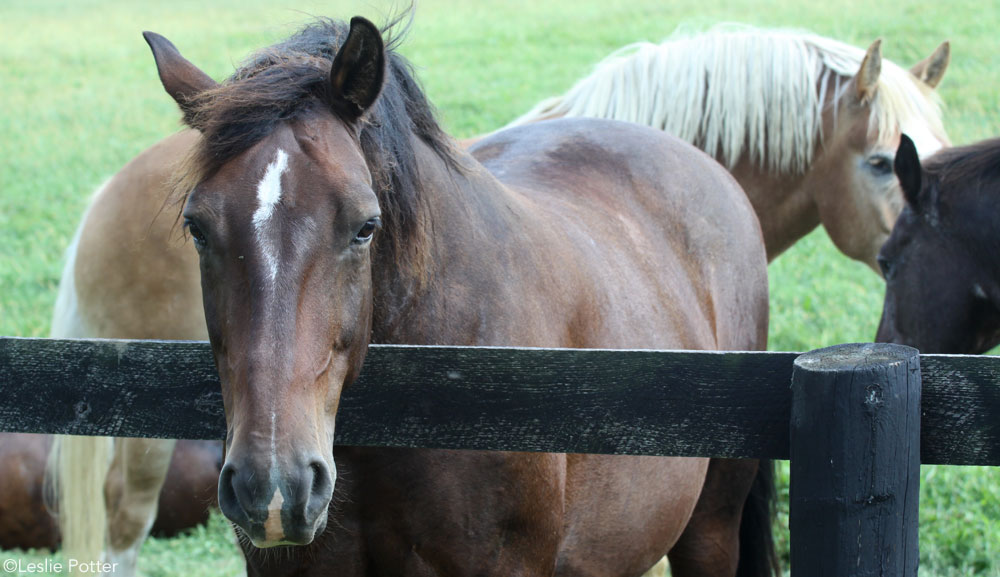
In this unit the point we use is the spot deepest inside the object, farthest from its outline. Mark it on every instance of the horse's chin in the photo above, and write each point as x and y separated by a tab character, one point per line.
303	540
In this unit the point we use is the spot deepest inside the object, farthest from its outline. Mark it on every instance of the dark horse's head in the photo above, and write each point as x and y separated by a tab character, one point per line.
942	261
305	152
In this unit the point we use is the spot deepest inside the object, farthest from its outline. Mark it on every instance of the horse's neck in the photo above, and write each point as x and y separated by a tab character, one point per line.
785	203
784	206
455	207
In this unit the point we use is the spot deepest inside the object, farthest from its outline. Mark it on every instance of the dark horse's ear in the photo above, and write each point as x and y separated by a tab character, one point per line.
181	79
907	169
358	70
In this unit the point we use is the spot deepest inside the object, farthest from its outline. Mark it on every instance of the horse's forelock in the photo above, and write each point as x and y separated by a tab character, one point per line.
284	81
902	99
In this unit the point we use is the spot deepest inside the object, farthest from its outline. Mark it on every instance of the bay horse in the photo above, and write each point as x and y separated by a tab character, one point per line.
329	210
941	265
26	521
807	125
809	133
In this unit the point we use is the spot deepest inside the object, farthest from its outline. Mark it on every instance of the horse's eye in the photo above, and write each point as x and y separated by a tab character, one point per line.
196	234
367	231
880	164
886	266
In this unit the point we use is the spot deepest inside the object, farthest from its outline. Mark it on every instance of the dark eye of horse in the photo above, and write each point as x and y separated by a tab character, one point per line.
886	266
196	234
367	231
880	164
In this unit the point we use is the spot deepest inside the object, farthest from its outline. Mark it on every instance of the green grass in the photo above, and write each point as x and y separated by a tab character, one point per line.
79	97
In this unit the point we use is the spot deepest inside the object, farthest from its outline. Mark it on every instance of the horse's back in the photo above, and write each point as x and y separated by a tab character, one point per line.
131	273
655	212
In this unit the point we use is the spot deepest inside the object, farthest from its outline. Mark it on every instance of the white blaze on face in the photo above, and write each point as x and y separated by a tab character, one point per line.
268	196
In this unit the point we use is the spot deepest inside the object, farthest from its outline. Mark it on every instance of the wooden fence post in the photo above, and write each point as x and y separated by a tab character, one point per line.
855	461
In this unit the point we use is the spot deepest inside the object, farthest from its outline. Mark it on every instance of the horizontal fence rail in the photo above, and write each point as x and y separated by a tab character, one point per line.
678	403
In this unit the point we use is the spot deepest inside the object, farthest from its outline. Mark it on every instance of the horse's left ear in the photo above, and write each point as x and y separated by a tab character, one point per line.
907	168
931	69
866	80
181	79
358	70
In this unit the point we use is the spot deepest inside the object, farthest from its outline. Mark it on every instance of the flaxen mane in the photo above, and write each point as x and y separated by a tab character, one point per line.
736	91
285	80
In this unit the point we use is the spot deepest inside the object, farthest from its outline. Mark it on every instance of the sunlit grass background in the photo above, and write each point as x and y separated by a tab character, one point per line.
79	97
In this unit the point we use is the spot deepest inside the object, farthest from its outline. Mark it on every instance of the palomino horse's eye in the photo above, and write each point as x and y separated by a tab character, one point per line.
880	163
196	234
367	231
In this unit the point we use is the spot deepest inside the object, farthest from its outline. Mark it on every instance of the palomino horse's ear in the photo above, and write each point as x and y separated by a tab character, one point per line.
931	69
358	70
866	80
907	169
181	79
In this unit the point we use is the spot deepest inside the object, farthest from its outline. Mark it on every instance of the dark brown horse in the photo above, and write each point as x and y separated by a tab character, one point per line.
26	523
840	111
329	211
942	261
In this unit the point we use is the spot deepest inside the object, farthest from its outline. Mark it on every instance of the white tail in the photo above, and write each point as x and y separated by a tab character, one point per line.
76	472
77	466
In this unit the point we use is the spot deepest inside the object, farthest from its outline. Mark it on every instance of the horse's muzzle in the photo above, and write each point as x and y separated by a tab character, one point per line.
274	506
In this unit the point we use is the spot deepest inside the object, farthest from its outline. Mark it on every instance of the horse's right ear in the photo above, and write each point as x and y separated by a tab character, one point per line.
866	80
358	70
181	79
907	168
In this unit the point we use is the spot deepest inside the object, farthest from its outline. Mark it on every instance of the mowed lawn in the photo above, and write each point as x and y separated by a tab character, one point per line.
79	97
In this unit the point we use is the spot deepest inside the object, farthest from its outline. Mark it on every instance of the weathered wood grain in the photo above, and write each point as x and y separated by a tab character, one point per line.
593	401
855	466
961	410
650	402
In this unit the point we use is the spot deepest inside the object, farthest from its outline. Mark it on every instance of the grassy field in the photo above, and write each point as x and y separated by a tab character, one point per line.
79	97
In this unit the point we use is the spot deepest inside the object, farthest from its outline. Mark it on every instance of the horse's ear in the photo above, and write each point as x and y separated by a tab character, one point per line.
358	70
866	80
181	79
907	169
931	69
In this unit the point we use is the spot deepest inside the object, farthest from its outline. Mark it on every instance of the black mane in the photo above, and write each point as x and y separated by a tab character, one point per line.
966	167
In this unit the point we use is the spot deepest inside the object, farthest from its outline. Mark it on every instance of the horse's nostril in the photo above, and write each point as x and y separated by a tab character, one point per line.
320	490
229	501
320	477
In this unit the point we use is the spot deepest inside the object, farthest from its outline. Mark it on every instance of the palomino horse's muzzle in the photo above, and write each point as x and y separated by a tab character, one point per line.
277	505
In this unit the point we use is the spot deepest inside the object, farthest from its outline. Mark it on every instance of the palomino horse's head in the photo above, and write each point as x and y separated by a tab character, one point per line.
940	263
852	182
282	211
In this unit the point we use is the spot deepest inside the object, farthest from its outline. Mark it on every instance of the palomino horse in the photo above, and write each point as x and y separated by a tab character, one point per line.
26	523
329	210
809	130
941	265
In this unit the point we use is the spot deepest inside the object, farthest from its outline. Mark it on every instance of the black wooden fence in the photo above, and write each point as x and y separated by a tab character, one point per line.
855	420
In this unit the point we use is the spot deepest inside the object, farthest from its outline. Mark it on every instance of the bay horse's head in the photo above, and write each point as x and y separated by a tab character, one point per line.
940	263
856	192
282	208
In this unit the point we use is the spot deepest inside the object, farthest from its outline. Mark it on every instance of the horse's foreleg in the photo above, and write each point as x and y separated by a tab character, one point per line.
132	491
710	544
